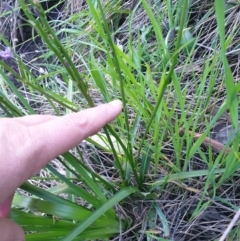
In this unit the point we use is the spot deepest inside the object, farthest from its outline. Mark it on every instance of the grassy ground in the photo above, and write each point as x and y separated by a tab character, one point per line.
167	168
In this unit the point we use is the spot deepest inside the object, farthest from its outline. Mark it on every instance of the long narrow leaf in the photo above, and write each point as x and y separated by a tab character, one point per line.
100	211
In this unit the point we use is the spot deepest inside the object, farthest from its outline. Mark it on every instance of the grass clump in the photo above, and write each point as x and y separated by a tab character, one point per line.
159	172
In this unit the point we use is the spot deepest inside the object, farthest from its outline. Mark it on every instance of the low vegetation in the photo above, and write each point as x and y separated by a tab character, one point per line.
168	167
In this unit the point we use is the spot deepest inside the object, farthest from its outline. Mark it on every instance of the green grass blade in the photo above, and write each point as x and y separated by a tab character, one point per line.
100	211
183	175
79	191
17	93
163	220
164	80
232	99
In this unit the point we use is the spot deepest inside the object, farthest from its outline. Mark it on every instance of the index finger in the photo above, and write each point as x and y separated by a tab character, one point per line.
59	135
39	144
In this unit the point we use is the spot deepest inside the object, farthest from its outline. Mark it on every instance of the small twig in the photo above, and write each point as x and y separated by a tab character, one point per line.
132	228
216	146
6	6
230	226
15	23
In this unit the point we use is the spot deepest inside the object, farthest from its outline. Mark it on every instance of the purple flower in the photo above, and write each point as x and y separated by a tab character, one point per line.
6	54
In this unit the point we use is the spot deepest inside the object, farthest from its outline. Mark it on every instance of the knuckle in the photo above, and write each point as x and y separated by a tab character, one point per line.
81	121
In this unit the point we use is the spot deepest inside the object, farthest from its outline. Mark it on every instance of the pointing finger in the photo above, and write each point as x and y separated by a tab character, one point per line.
59	135
33	147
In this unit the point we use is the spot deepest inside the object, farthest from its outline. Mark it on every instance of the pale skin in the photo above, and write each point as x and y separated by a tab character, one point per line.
28	143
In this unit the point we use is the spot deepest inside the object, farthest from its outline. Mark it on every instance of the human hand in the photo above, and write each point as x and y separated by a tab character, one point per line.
29	143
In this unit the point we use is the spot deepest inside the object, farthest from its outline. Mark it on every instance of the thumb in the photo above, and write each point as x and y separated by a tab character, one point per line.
5	207
10	231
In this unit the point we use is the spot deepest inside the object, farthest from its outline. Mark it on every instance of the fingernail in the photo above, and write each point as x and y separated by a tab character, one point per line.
116	103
